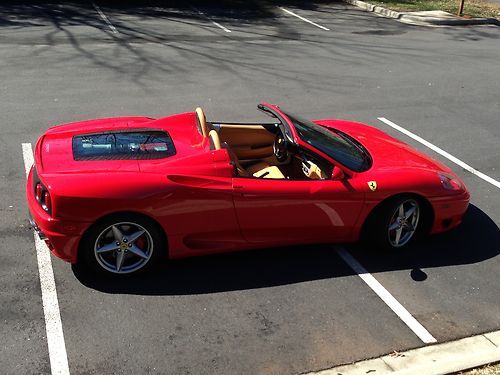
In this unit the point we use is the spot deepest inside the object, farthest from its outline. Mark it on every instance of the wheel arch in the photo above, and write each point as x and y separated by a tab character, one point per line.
128	213
427	212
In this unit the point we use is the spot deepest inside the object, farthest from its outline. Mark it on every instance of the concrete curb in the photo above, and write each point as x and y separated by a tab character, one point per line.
430	18
439	359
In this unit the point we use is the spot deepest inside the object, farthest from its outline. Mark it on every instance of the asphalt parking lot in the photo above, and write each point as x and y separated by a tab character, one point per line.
271	311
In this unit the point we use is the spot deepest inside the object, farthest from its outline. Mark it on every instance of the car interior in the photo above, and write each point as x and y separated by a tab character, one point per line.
261	151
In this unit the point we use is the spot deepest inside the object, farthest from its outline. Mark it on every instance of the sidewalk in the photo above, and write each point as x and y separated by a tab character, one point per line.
439	359
426	18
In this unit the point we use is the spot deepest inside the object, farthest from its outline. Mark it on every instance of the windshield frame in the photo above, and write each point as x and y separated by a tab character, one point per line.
286	118
283	122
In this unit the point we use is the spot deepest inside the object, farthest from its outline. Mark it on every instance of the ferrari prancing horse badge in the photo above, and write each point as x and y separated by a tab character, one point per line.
372	185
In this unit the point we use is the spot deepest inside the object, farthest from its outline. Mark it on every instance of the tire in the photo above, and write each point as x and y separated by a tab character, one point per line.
396	224
124	244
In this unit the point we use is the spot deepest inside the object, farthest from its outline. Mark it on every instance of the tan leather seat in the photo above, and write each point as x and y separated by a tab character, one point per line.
255	168
259	170
214	139
270	171
202	120
239	168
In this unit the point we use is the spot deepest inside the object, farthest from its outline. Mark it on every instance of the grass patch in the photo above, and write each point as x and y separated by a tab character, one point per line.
472	8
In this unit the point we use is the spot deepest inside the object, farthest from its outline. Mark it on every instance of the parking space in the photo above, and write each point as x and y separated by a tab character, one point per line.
263	312
32	23
276	310
444	280
161	23
474	142
482	155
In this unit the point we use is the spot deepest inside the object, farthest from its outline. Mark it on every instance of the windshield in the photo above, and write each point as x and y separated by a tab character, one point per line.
336	144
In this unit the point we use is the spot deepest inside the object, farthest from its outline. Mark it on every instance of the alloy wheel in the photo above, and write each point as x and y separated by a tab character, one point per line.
403	223
123	247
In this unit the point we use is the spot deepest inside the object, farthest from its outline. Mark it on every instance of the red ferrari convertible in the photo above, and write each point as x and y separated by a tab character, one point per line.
119	194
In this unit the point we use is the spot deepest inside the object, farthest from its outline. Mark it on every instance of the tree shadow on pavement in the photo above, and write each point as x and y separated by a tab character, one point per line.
178	27
183	34
139	23
476	240
36	12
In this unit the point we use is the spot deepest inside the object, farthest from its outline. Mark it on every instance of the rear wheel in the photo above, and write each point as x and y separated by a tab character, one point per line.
122	245
396	224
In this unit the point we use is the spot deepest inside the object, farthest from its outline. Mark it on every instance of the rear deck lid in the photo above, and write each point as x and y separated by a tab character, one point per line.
112	150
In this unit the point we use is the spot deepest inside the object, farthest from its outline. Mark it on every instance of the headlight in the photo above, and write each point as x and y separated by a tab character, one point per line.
450	182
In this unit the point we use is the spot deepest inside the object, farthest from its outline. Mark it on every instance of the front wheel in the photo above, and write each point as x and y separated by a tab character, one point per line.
122	245
396	224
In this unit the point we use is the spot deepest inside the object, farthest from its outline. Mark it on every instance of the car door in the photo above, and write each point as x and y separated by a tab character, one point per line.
295	211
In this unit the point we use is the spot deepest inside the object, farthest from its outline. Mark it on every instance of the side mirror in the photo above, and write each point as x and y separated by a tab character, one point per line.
337	174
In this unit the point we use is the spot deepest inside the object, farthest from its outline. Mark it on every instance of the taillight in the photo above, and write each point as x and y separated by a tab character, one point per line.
42	196
38	192
46	203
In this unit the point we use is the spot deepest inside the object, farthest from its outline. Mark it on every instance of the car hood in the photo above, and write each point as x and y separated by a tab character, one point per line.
386	151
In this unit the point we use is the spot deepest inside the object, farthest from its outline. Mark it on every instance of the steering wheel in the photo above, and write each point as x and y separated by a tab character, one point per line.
280	147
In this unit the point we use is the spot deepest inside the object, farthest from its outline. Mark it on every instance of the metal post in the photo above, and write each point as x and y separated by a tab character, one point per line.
461	7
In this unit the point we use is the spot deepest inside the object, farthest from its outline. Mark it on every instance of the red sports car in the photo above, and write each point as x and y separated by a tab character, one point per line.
119	194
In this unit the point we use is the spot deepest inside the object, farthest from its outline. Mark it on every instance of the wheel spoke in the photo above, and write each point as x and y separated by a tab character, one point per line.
401	210
394	225
135	250
134	236
411	211
398	236
120	257
107	248
117	233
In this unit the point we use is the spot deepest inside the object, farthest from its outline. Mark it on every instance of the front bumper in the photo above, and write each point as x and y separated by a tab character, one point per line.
449	211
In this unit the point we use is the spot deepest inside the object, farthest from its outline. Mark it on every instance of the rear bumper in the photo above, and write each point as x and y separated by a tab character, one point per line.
36	229
449	211
62	237
62	245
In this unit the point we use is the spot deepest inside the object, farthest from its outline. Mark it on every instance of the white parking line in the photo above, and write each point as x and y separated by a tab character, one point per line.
53	325
441	152
105	19
208	18
389	300
304	19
